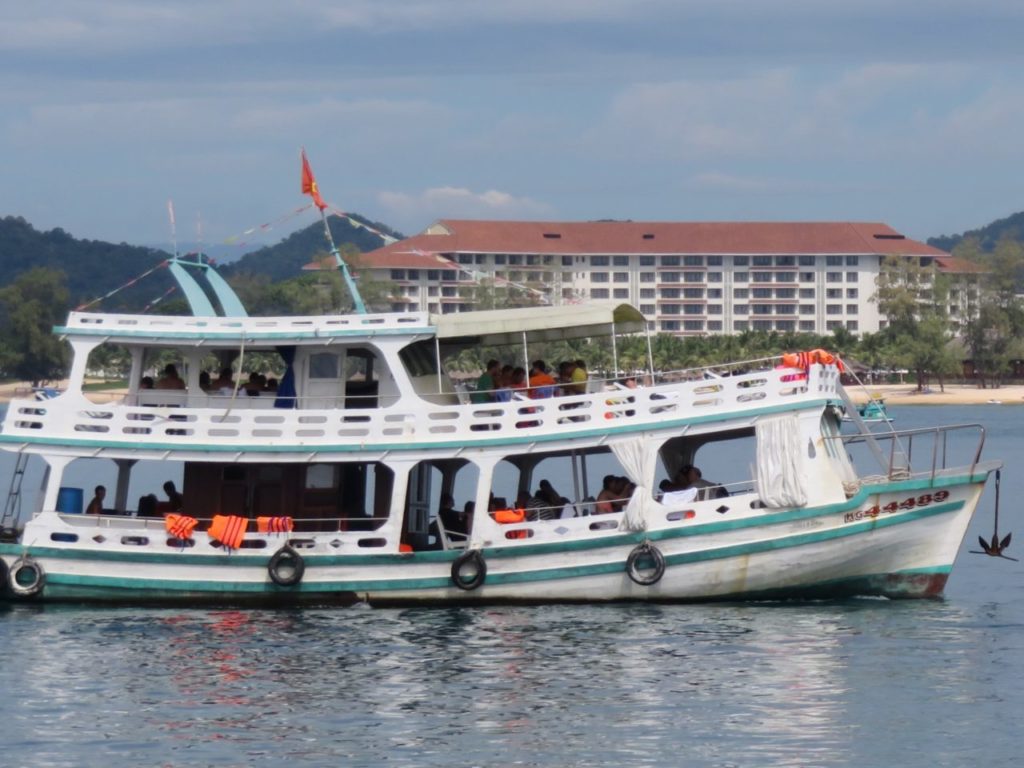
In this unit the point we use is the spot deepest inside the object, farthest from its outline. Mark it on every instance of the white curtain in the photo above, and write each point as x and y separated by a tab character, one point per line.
638	460
780	476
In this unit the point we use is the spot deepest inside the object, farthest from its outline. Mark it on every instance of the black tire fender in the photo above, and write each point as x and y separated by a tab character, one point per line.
286	567
472	560
36	575
649	552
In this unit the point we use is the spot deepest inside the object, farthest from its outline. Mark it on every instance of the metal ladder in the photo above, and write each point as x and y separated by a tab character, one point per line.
12	509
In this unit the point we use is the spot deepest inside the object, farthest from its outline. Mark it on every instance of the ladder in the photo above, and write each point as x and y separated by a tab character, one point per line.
12	509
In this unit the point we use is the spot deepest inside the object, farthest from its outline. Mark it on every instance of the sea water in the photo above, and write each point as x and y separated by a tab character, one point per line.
840	683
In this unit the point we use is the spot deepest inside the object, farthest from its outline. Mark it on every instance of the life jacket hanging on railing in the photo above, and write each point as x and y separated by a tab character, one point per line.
275	524
510	517
229	530
806	359
180	526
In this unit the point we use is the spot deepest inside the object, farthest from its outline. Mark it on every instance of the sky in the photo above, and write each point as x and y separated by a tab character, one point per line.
907	112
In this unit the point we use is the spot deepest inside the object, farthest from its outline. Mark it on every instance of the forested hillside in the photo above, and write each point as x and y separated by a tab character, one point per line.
1011	228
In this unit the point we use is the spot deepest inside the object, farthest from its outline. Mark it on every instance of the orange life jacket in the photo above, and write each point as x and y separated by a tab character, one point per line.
229	530
180	526
510	516
274	524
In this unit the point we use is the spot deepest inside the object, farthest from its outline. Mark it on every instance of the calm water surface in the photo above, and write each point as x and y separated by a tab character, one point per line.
851	683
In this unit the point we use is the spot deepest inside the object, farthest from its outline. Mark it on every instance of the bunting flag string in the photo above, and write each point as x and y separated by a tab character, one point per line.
130	283
236	240
388	239
157	300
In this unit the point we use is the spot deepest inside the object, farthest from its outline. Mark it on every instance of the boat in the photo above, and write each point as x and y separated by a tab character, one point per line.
871	412
366	475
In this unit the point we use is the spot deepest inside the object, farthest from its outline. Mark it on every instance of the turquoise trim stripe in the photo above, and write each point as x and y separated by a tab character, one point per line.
358	447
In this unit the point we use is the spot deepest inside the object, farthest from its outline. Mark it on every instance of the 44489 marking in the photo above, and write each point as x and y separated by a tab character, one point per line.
896	506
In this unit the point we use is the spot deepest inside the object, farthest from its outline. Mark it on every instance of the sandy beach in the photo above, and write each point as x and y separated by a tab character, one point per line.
894	394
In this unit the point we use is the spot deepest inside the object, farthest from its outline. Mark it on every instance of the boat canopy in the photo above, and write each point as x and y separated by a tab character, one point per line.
507	326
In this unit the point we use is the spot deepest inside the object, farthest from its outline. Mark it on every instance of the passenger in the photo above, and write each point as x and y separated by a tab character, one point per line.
204	381
174	499
170	379
518	381
271	385
254	386
542	383
580	376
96	505
549	495
691	477
225	384
503	384
147	506
610	498
146	383
487	383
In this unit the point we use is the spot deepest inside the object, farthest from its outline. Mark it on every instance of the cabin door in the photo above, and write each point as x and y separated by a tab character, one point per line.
417	510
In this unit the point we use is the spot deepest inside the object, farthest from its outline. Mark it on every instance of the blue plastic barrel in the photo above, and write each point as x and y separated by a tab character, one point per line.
69	500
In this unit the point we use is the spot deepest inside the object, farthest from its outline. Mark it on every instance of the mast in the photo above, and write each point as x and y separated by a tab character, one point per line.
309	187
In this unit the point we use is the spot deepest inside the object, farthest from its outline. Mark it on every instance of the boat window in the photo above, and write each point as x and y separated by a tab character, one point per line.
553	485
726	463
321	476
420	359
323	365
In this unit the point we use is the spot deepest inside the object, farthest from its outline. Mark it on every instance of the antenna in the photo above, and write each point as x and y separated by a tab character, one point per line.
174	228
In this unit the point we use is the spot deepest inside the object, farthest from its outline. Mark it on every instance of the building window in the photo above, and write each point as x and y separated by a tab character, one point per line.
833	293
432	290
834	309
851	277
740	325
785	261
715	326
714	277
693	261
433	275
414	274
806	277
693	309
599	277
693	325
714	293
741	309
533	277
646	293
786	326
785	277
500	258
833	277
670	325
762	325
646	277
714	261
785	309
599	261
806	309
515	259
807	326
647	309
714	309
740	277
693	277
620	293
741	261
761	277
670	309
599	293
833	261
761	261
567	261
851	309
621	277
670	277
831	325
740	293
646	261
449	291
785	293
693	293
479	258
806	293
670	261
670	293
852	261
398	274
851	293
806	261
761	293
620	261
851	325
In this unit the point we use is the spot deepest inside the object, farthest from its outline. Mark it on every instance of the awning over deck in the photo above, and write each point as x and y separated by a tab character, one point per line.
507	326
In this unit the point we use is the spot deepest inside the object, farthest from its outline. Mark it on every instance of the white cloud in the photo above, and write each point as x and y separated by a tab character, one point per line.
414	211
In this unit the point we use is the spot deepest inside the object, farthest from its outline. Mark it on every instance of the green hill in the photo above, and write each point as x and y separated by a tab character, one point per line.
1012	227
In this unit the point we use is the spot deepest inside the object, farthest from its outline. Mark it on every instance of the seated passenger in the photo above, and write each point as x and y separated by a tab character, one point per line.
170	378
610	498
542	383
486	384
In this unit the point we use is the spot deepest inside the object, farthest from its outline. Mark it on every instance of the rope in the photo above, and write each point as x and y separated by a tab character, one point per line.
131	282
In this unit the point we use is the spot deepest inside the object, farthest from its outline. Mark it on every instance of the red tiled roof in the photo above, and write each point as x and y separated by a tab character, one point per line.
636	237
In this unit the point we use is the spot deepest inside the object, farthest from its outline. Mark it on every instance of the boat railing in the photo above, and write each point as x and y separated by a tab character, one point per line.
897	448
381	418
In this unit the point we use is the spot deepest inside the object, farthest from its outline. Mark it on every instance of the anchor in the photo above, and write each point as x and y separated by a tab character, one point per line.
995	547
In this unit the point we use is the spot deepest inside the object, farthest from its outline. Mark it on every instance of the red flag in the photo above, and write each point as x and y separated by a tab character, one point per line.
309	186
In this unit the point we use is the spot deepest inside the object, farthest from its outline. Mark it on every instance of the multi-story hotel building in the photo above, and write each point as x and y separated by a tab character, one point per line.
686	277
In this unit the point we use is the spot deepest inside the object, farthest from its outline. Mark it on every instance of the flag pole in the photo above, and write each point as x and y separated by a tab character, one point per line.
309	187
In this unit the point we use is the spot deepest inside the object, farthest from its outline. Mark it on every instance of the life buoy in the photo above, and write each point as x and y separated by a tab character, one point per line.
634	565
3	574
286	567
26	567
471	561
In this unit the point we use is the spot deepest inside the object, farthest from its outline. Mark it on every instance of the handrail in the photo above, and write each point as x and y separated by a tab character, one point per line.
937	434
